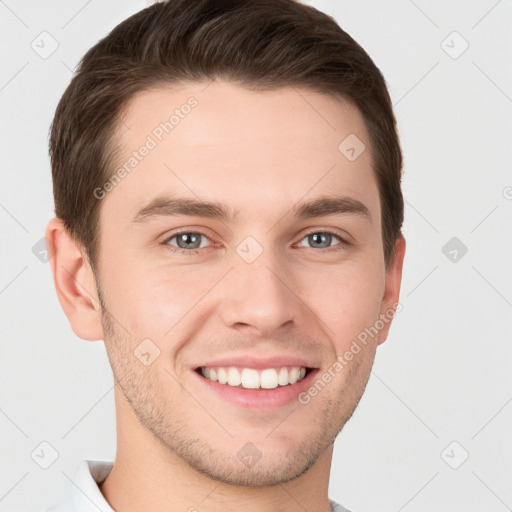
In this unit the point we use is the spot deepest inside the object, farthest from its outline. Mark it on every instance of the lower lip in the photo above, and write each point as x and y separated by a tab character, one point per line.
264	399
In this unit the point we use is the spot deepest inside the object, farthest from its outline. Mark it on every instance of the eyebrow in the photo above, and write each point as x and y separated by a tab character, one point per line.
320	207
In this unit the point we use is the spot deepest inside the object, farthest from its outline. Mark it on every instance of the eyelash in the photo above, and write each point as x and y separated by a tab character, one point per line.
190	252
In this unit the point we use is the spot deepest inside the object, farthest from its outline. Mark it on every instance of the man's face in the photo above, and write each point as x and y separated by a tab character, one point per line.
266	283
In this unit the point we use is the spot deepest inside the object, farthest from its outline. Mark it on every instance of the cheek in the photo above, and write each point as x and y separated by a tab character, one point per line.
130	297
157	303
347	300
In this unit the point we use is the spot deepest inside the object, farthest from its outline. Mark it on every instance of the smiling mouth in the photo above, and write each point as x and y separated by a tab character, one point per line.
255	379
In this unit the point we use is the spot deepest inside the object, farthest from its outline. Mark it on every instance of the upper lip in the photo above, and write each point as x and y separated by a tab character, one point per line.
249	361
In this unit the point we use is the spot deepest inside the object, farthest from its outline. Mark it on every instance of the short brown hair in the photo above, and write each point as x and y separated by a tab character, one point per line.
258	44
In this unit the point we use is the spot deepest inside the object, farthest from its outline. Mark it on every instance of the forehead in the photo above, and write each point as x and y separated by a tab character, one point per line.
244	148
215	109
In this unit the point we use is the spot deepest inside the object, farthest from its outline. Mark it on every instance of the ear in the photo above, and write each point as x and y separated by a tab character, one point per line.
392	288
74	282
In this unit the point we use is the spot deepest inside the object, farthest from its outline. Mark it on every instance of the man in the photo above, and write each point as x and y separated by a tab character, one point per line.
228	213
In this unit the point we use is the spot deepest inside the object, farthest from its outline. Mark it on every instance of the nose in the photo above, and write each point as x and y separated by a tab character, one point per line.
259	296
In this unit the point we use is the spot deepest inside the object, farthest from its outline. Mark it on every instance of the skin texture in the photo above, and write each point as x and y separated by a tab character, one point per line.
260	153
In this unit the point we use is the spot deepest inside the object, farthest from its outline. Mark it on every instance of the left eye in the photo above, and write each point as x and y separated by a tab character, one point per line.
321	240
188	240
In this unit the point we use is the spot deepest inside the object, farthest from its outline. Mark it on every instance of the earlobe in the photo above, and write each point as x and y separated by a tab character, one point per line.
391	296
74	282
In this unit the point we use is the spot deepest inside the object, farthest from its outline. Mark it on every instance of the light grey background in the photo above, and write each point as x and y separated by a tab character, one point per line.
443	375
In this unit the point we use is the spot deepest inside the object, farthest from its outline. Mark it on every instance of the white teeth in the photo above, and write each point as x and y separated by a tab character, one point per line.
283	376
269	379
251	378
222	375
234	378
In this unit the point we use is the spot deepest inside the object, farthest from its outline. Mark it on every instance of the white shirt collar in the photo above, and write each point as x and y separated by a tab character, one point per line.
85	495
